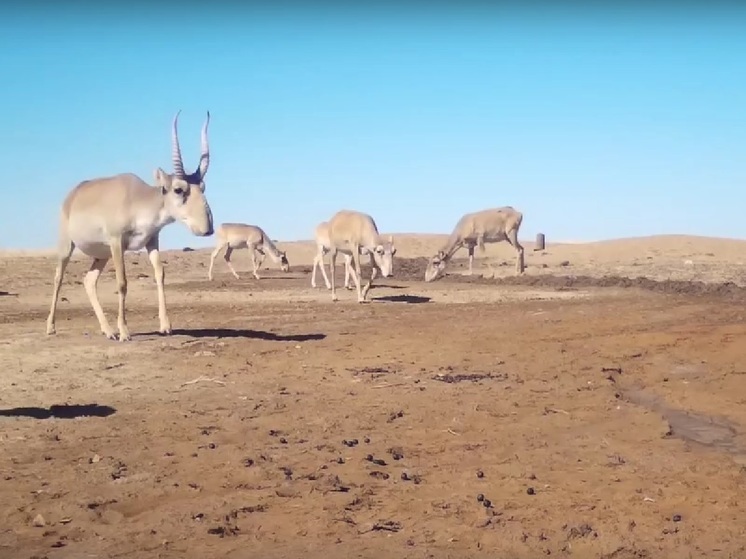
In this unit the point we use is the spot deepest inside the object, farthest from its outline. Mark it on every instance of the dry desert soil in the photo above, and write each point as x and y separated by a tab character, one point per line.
592	408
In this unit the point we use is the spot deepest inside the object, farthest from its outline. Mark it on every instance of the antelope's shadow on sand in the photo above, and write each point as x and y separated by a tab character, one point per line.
239	333
71	411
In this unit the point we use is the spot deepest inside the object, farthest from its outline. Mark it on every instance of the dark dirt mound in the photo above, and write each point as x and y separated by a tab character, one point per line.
414	269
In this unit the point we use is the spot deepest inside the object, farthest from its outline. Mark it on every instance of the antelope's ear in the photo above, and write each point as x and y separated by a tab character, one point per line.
162	178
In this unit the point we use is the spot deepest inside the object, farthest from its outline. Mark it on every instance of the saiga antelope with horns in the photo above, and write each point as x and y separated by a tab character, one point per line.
231	236
476	229
105	217
355	233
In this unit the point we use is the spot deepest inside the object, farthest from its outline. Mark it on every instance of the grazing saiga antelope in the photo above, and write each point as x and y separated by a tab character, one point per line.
321	236
476	229
355	233
231	236
105	217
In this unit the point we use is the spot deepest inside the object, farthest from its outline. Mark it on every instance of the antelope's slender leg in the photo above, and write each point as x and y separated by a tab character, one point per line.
373	274
214	255
332	262
520	264
65	251
154	256
471	259
227	258
356	275
117	255
348	271
252	250
90	282
318	261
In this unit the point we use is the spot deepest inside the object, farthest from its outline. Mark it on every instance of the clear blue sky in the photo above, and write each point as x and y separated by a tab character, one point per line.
595	123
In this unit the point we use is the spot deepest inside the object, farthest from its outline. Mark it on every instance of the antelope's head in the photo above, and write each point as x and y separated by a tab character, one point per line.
184	195
383	254
435	266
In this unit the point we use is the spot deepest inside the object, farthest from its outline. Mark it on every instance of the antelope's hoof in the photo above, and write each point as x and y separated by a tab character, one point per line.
165	329
109	333
51	330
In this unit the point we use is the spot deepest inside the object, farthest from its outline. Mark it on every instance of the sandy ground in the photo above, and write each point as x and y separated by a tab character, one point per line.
597	416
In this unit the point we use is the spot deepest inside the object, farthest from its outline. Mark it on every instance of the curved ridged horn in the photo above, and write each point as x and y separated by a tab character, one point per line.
176	151
204	159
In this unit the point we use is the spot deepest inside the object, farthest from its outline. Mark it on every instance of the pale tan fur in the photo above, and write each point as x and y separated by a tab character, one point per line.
106	217
355	233
232	236
321	236
475	229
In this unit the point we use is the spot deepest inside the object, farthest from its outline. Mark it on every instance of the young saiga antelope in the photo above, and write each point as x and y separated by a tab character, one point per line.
105	217
233	236
476	229
354	233
321	236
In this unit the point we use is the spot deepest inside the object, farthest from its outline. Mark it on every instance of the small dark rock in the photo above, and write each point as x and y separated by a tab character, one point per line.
379	475
248	462
532	476
480	497
487	503
369	458
211	446
366	440
480	474
397	456
676	518
405	476
530	491
379	461
283	440
340	460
